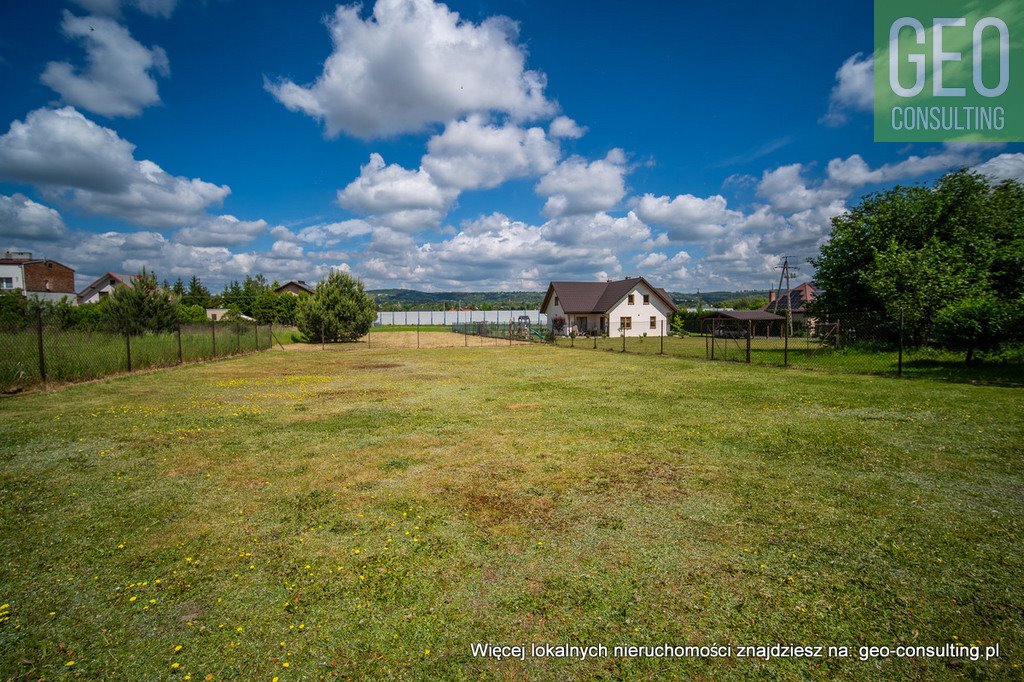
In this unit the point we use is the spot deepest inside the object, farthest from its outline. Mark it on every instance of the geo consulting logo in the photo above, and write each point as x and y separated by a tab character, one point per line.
949	70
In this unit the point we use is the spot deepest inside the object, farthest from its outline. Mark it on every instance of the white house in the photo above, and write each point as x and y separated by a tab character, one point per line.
101	287
215	314
631	307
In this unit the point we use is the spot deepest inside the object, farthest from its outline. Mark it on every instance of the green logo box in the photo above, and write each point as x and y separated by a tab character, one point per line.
949	71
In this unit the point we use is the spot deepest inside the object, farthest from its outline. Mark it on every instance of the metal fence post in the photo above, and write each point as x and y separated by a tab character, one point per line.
662	351
256	331
213	336
622	330
785	342
238	336
323	340
750	331
465	333
39	337
714	327
178	329
899	360
128	346
417	329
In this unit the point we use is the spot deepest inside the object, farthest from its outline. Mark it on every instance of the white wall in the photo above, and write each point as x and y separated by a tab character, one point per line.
14	272
448	317
639	313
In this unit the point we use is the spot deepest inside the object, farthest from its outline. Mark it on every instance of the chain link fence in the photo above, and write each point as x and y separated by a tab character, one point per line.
43	351
853	343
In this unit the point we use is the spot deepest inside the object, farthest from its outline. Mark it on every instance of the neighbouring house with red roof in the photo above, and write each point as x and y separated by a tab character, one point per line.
795	300
39	278
626	307
102	286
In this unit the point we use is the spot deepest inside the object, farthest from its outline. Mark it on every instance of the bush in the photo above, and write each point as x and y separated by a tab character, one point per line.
192	314
142	307
338	310
979	323
14	314
558	324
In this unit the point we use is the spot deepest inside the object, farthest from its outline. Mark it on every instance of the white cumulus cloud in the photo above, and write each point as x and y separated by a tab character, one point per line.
854	90
412	63
576	186
223	230
118	78
22	218
71	158
472	154
688	218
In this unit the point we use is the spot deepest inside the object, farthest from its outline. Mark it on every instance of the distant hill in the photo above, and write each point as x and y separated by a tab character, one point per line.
411	299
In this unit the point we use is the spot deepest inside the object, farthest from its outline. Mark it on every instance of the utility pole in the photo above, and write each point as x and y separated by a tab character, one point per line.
787	271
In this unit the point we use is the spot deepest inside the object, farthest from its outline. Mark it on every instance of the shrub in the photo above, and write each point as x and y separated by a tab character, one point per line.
142	307
558	323
338	310
192	314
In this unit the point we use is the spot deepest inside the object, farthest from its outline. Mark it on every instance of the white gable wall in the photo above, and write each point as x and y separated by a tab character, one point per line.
639	313
13	273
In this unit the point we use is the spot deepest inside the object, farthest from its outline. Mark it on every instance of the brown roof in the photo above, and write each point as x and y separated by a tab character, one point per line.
301	284
597	297
798	297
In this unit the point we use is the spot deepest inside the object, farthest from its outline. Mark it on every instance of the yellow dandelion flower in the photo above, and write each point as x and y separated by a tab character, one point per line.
175	665
69	663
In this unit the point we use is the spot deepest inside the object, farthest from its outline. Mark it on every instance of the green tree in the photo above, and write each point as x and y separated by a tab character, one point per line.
286	306
921	250
264	306
197	294
14	312
142	307
978	324
338	310
191	314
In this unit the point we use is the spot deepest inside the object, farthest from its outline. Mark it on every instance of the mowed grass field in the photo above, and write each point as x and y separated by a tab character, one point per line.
371	513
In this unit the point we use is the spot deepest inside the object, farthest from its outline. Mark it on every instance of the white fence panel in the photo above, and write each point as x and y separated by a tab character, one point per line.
451	317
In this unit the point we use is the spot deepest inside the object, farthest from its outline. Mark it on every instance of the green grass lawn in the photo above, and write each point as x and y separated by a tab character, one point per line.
72	355
372	513
807	353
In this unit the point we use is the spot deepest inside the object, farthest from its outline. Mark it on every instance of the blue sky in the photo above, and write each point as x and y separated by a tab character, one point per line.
467	146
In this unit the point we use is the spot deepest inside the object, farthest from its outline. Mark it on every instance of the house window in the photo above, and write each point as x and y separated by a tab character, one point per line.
630	299
654	322
647	299
556	300
6	282
627	323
